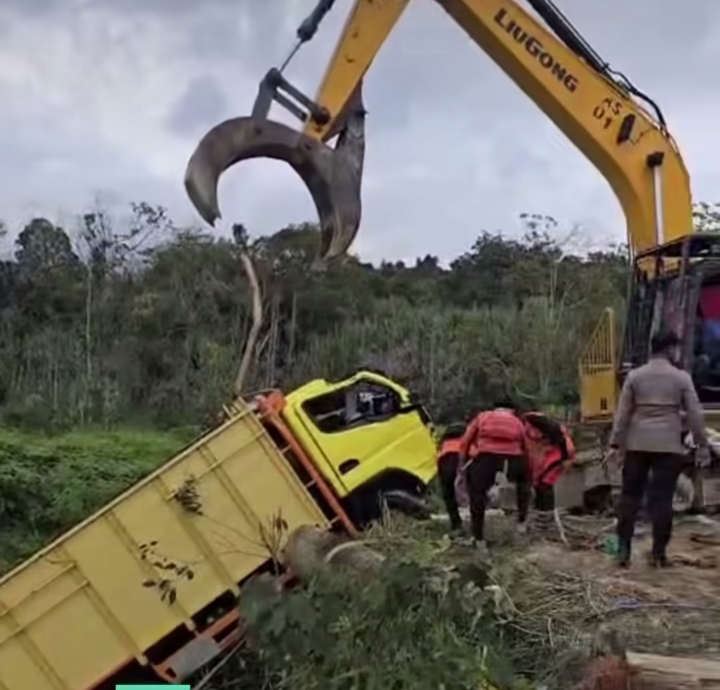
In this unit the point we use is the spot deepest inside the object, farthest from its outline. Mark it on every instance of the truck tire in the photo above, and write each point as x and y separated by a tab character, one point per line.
407	503
368	503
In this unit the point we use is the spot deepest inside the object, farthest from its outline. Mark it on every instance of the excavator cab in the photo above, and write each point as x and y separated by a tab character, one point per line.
683	295
676	286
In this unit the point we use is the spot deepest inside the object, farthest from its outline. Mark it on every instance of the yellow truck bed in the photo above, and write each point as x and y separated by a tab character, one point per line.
144	565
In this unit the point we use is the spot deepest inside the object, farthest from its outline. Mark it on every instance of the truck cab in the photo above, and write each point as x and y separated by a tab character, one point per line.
368	438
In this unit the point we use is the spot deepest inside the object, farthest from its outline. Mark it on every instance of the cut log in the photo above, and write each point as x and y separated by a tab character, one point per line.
674	673
310	550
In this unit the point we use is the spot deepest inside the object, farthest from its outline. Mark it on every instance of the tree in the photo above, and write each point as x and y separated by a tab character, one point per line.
42	247
145	322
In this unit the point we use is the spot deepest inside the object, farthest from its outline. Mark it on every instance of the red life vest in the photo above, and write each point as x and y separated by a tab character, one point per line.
545	457
498	432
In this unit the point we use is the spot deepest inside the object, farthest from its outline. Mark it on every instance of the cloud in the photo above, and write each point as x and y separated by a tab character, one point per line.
112	95
203	105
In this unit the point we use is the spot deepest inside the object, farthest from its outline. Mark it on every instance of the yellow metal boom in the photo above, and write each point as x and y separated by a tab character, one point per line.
597	109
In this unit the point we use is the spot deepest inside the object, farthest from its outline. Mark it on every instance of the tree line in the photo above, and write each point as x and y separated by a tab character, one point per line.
143	322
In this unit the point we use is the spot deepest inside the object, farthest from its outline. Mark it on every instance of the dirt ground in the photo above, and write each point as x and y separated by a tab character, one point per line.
694	552
674	610
564	603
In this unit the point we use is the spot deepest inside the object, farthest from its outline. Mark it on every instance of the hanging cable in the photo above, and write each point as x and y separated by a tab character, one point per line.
307	30
573	39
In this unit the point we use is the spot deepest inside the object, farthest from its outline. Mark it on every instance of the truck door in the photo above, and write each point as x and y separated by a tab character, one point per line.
365	429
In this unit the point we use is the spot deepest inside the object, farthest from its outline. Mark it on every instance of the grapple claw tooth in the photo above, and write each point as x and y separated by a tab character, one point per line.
332	175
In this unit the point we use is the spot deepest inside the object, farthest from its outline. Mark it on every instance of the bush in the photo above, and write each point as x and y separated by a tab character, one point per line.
415	626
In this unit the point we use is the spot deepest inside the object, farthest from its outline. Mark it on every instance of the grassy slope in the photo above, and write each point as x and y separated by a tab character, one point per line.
49	483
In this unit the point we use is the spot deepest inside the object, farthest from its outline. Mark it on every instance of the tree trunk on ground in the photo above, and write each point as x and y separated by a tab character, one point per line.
310	550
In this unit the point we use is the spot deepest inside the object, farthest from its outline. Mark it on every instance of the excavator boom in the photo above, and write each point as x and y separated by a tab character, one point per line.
597	110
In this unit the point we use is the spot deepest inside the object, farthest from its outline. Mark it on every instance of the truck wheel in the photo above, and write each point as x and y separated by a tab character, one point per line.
407	503
368	503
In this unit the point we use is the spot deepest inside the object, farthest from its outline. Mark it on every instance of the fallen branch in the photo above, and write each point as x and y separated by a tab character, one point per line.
561	529
631	671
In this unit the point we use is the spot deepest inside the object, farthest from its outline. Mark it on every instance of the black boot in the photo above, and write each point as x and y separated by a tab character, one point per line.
658	559
623	558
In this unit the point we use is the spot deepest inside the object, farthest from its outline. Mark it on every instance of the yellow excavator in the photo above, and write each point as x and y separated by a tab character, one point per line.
616	126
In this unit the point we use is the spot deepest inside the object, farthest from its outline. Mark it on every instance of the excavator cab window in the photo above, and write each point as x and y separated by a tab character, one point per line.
706	335
639	321
654	304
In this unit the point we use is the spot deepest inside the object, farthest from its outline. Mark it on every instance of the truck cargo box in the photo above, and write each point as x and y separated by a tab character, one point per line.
149	563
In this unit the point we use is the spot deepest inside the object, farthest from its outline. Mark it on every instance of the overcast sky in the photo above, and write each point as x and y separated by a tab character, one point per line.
110	97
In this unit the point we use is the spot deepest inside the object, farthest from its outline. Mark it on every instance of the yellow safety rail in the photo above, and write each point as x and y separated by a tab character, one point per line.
598	372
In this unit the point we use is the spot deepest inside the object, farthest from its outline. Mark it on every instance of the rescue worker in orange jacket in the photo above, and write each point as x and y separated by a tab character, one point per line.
551	450
448	462
493	442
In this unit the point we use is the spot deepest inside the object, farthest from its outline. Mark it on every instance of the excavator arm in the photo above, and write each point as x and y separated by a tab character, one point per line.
597	109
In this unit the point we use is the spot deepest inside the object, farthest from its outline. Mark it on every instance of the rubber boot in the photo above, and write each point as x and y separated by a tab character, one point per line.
624	553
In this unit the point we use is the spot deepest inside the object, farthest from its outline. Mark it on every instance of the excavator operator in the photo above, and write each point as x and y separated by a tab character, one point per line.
615	125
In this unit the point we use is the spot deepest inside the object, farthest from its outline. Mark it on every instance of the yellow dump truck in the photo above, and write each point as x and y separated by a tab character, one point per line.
146	589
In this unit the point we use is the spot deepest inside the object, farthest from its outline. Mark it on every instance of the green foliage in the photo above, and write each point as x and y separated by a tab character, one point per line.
137	321
48	484
412	626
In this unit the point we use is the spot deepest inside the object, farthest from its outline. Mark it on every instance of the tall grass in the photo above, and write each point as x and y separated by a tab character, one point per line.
459	359
49	483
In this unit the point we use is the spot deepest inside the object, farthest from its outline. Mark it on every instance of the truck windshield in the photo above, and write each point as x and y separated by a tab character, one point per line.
363	402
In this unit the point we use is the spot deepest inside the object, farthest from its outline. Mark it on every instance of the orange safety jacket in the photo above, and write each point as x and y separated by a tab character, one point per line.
498	432
547	458
449	446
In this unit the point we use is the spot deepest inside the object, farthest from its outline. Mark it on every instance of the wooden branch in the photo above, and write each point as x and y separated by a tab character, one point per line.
561	529
256	321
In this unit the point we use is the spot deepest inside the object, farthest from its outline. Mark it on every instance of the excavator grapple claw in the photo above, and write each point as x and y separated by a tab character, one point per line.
332	175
